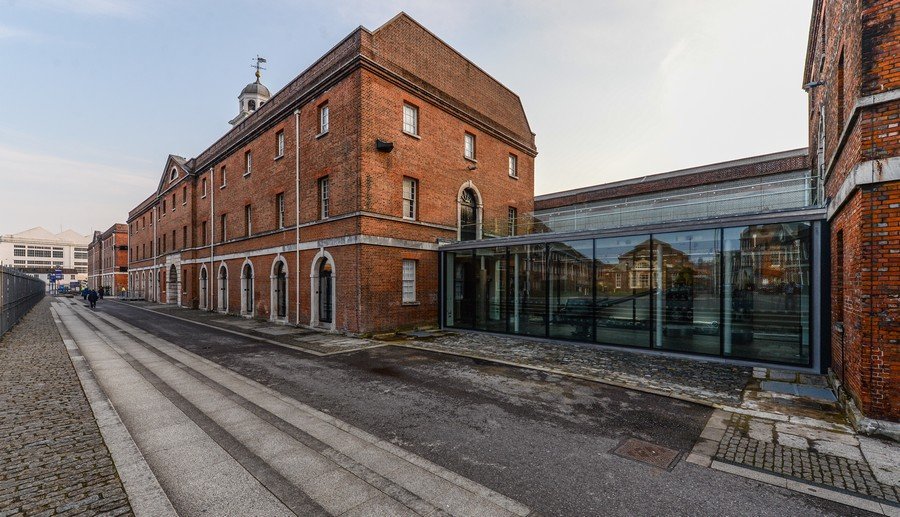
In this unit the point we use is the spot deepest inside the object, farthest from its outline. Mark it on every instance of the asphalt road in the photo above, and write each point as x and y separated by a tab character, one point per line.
541	439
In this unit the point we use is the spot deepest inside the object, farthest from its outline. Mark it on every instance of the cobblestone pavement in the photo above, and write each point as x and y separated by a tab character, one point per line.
53	460
818	456
690	379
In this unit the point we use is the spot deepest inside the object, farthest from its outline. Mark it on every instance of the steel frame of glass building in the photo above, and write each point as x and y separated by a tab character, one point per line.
744	288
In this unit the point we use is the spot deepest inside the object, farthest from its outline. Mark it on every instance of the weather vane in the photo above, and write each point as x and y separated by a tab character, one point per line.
258	66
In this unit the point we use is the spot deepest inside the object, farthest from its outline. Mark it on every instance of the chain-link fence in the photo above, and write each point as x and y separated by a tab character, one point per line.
18	294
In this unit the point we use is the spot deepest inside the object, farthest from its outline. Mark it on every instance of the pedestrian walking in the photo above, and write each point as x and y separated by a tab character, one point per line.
92	297
100	293
84	293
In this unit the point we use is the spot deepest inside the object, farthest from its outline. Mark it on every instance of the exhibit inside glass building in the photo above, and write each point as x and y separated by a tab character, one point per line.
719	268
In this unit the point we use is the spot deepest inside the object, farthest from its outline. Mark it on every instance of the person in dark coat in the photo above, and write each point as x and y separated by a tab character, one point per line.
92	297
84	293
100	293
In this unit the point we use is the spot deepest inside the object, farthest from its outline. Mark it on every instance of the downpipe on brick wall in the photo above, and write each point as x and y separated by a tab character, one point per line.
297	211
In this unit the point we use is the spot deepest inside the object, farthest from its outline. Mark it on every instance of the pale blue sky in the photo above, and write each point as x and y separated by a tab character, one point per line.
96	93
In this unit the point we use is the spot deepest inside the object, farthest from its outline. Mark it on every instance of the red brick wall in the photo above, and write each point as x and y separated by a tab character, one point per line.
865	229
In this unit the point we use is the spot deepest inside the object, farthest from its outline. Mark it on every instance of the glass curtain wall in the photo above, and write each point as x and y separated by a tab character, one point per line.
624	290
766	285
740	292
686	287
570	284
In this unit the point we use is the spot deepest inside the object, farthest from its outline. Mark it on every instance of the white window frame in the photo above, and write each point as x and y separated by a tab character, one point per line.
513	165
324	200
324	119
410	119
408	291
224	178
279	207
410	193
203	183
248	163
248	220
469	150
279	144
512	220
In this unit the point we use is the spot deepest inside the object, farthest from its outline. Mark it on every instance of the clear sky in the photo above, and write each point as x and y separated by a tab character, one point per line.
95	94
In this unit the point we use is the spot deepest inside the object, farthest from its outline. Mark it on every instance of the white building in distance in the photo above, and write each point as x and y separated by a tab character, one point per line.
39	252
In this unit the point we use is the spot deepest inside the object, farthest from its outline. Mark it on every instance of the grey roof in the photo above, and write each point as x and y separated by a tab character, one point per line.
257	88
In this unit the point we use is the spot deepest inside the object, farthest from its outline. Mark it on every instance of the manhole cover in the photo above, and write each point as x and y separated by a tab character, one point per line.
647	452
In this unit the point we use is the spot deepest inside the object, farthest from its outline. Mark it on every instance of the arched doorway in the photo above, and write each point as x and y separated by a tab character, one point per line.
223	288
247	289
203	288
279	284
172	285
469	208
326	294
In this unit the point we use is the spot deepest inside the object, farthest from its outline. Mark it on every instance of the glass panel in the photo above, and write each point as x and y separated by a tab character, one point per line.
766	290
624	294
686	283
490	295
570	284
528	294
460	289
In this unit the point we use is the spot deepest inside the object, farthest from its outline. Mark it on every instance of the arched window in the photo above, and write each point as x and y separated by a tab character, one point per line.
223	288
468	215
326	293
173	174
247	290
203	288
279	290
251	105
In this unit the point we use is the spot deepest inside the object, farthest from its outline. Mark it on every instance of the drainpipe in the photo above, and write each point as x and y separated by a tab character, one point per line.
297	212
212	236
155	253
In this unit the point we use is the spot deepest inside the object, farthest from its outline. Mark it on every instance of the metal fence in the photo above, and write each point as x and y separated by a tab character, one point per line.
18	294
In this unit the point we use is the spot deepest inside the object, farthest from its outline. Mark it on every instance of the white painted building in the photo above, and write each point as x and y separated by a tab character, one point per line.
38	252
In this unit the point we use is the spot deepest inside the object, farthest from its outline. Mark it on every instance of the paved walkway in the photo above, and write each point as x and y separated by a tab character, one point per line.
53	460
220	443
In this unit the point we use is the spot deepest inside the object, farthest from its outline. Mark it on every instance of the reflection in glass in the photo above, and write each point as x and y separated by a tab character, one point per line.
766	291
490	296
460	289
624	275
528	292
686	282
571	298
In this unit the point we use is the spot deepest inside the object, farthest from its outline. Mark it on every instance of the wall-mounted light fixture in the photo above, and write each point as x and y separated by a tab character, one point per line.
385	147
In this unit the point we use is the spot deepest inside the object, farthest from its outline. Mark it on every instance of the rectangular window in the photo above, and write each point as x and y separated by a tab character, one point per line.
203	187
174	246
223	177
222	225
279	144
279	208
470	146
173	201
164	207
184	195
323	119
409	281
203	234
410	119
513	166
248	220
410	186
512	220
248	161
163	243
323	197
184	237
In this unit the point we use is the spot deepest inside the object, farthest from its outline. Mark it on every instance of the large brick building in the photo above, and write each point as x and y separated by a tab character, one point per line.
853	78
326	202
108	260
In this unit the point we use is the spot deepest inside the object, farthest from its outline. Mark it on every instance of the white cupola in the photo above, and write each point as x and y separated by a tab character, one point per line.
251	98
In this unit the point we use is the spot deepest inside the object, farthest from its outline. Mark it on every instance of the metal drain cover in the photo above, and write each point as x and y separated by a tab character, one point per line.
647	452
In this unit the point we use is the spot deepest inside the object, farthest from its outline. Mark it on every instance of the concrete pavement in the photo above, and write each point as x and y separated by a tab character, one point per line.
220	443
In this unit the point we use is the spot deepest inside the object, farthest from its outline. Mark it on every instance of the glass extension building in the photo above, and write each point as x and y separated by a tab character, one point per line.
727	268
